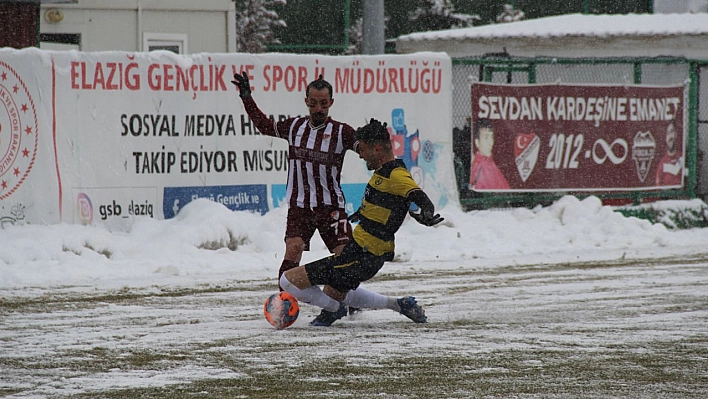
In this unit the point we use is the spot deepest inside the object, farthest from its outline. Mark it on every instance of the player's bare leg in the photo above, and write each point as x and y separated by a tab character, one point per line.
298	278
337	250
332	293
294	246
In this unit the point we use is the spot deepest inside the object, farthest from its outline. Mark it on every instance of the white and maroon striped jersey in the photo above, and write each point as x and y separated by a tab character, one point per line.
315	156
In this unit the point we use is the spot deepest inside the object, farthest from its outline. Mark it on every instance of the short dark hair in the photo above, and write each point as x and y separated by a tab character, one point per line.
482	123
373	132
319	84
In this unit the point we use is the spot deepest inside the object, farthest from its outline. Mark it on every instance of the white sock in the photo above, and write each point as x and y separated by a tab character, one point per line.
312	295
363	298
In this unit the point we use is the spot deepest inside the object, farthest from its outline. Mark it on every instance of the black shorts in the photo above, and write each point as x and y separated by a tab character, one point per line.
344	272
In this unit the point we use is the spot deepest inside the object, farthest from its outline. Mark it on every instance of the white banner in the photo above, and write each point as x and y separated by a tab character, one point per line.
105	137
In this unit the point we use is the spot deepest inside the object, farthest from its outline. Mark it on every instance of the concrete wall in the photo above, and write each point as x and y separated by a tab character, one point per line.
121	25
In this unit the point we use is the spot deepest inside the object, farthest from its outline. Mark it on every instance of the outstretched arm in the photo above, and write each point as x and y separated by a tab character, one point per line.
261	120
427	215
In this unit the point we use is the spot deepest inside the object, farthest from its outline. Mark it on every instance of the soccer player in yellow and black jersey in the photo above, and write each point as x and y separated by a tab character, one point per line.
386	202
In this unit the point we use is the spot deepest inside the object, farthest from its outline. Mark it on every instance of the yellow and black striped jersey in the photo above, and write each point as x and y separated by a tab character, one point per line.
384	207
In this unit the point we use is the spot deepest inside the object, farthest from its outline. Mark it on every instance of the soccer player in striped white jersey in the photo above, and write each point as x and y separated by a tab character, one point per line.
387	200
317	145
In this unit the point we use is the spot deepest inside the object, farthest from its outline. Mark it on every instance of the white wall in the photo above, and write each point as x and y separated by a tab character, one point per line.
119	25
101	137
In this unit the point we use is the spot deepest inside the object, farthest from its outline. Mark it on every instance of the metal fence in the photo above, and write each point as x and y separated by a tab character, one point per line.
501	69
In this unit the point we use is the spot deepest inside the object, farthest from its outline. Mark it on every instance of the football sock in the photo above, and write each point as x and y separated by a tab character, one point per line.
312	295
284	267
363	298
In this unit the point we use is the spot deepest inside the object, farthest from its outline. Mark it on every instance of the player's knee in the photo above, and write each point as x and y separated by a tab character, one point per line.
294	248
296	277
285	284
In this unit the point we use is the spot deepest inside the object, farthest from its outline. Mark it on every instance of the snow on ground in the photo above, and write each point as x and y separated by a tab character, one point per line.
570	300
169	252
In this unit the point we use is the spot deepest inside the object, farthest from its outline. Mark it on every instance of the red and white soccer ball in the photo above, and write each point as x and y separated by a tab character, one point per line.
281	310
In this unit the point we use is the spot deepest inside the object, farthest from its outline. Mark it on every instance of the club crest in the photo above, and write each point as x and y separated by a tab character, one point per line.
643	152
526	149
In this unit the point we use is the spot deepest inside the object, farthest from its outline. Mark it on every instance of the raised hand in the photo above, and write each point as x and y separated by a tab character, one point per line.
244	86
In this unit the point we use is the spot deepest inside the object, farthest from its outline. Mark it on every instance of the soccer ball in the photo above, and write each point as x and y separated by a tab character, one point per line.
281	310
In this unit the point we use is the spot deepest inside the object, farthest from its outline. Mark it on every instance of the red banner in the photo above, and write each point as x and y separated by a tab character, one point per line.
531	138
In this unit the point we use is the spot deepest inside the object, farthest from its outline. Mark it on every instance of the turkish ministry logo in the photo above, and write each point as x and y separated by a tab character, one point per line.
526	148
643	151
18	131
